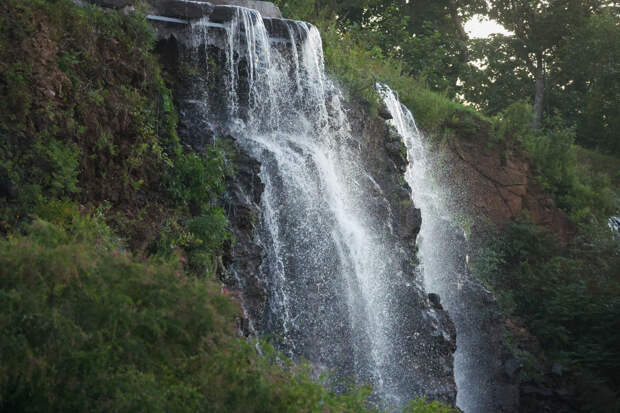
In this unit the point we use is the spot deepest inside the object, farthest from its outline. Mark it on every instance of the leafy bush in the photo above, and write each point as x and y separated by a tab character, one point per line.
569	298
84	112
196	179
580	190
515	121
582	194
63	162
422	406
87	327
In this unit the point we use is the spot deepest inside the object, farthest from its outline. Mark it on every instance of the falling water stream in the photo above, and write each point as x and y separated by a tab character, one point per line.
326	262
340	295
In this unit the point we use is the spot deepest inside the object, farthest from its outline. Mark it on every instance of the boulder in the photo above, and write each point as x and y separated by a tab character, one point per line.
435	301
384	112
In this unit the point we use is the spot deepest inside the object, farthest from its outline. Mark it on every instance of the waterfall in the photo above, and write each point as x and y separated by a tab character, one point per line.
443	260
341	292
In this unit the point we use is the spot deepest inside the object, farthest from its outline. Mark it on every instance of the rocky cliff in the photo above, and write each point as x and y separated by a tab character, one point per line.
494	181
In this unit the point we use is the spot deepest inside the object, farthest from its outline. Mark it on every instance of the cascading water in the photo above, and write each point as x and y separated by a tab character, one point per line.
340	291
442	255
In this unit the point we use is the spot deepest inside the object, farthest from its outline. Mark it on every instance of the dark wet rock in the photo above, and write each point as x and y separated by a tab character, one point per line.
222	14
181	9
512	367
7	189
435	301
118	4
538	390
384	112
265	8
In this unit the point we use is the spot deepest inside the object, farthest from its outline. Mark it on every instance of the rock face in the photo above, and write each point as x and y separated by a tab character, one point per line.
265	8
385	158
495	182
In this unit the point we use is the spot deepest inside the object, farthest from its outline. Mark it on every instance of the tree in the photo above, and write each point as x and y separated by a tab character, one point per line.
496	78
587	81
427	36
539	27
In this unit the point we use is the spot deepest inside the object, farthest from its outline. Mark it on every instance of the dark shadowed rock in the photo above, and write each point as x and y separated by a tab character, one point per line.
435	301
181	9
118	4
265	8
512	367
383	111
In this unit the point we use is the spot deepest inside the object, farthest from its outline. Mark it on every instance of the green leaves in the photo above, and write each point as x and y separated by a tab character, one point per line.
63	160
568	297
88	327
197	178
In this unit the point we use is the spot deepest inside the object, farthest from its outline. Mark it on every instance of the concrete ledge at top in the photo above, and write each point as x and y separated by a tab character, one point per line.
265	8
195	9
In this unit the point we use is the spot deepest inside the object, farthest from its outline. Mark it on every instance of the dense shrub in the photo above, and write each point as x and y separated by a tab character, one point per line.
583	192
568	297
87	327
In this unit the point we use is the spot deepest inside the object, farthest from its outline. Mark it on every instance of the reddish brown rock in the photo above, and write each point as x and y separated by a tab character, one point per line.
496	181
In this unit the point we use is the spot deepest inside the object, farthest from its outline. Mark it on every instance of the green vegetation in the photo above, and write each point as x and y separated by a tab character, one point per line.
582	189
112	237
569	297
88	327
85	115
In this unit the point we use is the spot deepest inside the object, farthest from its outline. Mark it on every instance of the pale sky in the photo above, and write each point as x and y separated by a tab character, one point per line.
478	27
